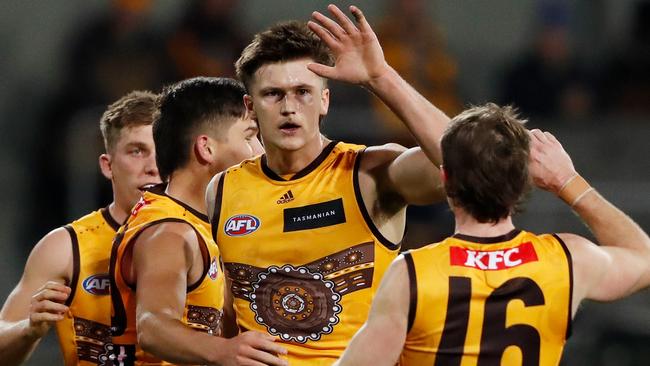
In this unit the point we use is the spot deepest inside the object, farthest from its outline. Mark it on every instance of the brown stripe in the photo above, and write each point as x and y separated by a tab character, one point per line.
216	213
362	207
306	170
106	214
569	327
75	263
488	240
413	290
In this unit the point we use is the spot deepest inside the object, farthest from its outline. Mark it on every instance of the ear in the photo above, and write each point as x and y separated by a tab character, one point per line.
325	101
248	102
204	149
105	166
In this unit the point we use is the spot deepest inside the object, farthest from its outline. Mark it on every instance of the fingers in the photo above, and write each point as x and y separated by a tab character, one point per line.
321	70
52	291
364	26
343	20
333	27
46	317
262	348
324	35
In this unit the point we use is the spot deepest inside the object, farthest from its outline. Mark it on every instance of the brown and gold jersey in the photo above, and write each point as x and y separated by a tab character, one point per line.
204	302
489	301
84	332
302	253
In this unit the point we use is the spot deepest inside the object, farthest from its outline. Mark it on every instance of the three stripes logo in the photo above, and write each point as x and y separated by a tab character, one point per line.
286	198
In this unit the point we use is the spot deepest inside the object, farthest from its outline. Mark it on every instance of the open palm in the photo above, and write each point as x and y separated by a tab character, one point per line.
359	57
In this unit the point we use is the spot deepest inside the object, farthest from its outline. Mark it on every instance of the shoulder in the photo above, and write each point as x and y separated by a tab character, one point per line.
52	256
375	156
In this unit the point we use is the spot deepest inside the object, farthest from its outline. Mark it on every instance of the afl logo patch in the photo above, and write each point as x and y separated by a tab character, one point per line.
239	225
98	284
214	269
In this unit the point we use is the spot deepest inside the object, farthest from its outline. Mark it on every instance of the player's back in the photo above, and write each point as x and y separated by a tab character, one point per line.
489	301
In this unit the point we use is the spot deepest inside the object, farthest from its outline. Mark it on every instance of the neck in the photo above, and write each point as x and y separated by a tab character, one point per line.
284	162
468	225
189	187
118	211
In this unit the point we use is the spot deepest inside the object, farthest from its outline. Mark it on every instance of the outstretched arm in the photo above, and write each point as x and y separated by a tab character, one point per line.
622	264
160	329
360	60
37	302
381	339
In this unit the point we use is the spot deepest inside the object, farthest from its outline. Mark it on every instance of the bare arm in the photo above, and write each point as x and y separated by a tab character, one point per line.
381	339
621	265
160	329
36	303
360	60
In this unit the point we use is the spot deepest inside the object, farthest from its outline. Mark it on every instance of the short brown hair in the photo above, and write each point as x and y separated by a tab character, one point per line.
485	155
132	110
283	42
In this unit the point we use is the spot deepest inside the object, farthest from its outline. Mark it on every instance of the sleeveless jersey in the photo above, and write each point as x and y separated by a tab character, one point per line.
84	333
489	301
204	302
303	255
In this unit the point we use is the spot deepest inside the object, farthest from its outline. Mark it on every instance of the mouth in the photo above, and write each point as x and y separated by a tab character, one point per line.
289	127
146	187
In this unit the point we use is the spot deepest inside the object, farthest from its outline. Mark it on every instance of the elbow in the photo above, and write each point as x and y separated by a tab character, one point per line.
145	333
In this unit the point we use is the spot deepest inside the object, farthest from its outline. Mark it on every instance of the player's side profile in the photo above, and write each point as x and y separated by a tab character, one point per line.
65	281
307	230
493	294
166	277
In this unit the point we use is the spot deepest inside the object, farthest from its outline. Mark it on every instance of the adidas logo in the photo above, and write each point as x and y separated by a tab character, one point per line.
286	198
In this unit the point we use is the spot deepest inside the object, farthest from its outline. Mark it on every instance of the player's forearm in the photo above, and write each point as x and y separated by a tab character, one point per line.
363	349
173	341
17	342
426	122
611	226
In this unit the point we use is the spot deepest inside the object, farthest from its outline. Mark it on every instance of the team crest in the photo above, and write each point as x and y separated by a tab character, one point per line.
295	304
98	284
240	225
214	269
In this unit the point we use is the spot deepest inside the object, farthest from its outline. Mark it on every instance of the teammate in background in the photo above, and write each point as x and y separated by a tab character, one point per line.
307	230
166	279
509	295
65	282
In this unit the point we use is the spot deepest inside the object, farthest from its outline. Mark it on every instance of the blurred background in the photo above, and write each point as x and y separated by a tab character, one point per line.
578	68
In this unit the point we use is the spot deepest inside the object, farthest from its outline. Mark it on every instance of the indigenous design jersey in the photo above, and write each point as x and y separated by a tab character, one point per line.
84	334
204	302
303	255
507	301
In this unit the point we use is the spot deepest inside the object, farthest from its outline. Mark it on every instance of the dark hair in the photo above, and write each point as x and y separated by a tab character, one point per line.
189	108
132	110
485	155
283	42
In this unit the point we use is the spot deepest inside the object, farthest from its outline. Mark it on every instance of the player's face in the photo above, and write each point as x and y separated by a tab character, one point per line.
240	143
288	101
133	164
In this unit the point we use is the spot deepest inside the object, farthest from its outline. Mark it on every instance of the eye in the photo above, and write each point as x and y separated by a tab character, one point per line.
271	93
303	91
135	151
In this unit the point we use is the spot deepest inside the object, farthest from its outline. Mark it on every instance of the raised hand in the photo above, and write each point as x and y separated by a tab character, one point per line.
254	348
358	54
550	166
46	307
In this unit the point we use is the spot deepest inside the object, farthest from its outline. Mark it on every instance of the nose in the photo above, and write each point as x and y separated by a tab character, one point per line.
288	105
150	168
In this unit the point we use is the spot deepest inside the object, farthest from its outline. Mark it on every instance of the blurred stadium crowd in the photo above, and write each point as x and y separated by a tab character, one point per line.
580	68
